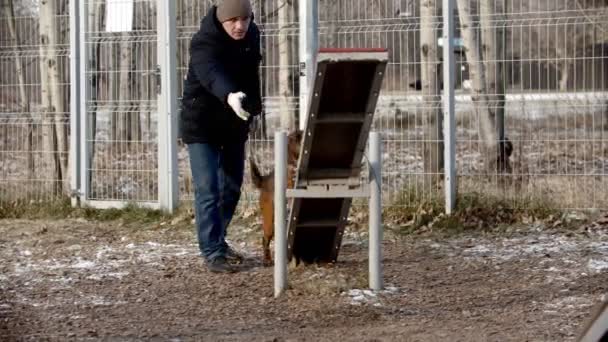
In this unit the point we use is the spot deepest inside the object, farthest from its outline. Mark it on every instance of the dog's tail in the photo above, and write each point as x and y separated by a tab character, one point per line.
256	175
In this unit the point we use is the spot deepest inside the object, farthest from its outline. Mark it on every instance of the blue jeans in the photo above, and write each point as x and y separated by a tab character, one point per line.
217	174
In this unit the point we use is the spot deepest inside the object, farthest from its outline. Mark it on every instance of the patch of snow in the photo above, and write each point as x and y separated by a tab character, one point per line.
391	289
83	264
117	275
103	251
509	249
597	265
570	302
479	250
62	280
359	297
562	258
96	300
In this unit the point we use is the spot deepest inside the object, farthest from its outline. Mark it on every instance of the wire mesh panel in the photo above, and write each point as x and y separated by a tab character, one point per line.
532	121
409	108
34	100
189	16
121	100
279	70
531	98
343	23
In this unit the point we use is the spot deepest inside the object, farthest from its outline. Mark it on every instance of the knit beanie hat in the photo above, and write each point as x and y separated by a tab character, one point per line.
228	9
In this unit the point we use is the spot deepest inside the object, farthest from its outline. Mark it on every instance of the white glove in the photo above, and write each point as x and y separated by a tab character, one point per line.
235	101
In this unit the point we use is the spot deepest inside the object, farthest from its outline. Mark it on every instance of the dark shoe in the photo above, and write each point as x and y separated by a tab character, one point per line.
220	265
233	256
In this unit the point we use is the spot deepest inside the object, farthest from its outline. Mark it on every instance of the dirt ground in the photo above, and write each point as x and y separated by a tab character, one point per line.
82	280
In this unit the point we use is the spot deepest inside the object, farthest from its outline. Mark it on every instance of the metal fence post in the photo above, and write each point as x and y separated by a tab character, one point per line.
308	46
280	213
75	80
449	122
375	211
167	106
85	85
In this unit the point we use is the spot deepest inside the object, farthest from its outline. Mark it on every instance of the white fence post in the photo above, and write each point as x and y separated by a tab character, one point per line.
449	122
280	213
75	119
375	211
84	139
167	106
308	46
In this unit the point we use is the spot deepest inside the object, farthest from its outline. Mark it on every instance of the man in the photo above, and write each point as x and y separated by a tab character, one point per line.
221	96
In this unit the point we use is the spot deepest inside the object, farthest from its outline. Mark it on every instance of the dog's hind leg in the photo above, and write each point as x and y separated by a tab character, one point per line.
266	246
267	224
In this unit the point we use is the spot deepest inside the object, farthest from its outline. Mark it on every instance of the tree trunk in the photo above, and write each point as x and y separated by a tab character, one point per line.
126	118
8	8
429	58
285	88
479	97
51	97
130	85
96	13
61	99
333	14
492	47
564	75
151	64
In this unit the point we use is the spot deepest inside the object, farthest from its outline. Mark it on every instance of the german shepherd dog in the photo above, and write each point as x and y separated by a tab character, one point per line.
265	183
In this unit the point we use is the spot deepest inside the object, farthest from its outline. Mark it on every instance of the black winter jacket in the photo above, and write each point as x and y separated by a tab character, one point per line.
219	65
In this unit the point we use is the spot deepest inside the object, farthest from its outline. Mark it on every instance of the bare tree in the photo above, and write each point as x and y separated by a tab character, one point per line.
118	65
95	22
429	58
479	89
143	59
7	7
492	42
25	7
121	118
54	131
574	26
126	125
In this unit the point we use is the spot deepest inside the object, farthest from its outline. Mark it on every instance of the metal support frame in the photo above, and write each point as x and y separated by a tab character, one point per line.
280	213
375	211
449	121
373	191
167	107
84	138
75	119
308	46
